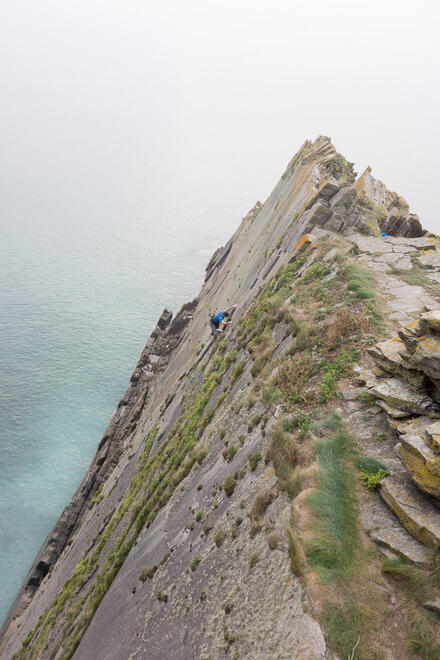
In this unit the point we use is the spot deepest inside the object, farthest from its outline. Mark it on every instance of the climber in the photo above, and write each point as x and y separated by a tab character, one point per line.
219	319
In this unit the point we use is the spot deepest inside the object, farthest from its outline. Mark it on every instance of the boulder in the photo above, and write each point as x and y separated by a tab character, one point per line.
430	322
390	410
400	543
422	463
432	436
433	605
398	394
417	512
430	259
410	335
319	213
392	356
414	425
329	189
427	356
343	200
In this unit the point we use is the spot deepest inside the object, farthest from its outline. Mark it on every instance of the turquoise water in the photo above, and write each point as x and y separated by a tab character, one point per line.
79	295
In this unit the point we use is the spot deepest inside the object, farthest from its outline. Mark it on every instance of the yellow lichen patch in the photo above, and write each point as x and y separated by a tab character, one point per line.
422	464
302	244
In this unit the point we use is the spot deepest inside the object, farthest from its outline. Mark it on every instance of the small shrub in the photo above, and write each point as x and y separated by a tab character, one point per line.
163	597
283	454
261	503
195	562
253	561
203	595
237	371
294	551
207	528
229	485
252	399
199	516
219	538
371	472
201	454
222	433
147	573
254	459
231	453
256	419
241	439
255	529
273	541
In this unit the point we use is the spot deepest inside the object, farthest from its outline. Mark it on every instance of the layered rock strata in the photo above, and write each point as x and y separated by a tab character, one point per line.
317	194
405	383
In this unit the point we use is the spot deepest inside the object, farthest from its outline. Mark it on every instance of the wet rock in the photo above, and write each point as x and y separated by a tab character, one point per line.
416	511
422	463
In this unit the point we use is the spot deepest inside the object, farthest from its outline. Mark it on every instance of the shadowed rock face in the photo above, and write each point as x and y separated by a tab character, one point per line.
179	612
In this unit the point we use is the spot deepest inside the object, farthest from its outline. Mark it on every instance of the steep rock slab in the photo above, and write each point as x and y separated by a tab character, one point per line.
417	513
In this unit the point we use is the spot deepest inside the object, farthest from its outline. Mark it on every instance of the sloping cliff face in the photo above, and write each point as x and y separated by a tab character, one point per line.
208	522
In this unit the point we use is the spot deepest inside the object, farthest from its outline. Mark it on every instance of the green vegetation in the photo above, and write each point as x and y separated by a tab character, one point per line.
219	538
231	453
283	454
199	516
273	541
360	280
254	459
261	503
163	597
336	539
295	555
229	485
419	586
195	562
147	573
253	561
371	472
416	276
150	489
237	371
97	497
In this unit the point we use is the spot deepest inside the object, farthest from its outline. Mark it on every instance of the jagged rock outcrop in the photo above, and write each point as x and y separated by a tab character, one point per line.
409	369
160	553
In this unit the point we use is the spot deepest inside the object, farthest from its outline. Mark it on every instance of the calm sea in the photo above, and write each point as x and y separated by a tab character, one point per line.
79	294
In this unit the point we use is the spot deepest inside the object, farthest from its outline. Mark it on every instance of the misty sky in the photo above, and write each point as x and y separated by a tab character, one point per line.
103	104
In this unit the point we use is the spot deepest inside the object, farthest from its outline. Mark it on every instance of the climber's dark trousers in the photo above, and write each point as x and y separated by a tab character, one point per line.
214	329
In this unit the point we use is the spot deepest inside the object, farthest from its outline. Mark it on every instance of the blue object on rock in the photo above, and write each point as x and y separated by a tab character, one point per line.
383	234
